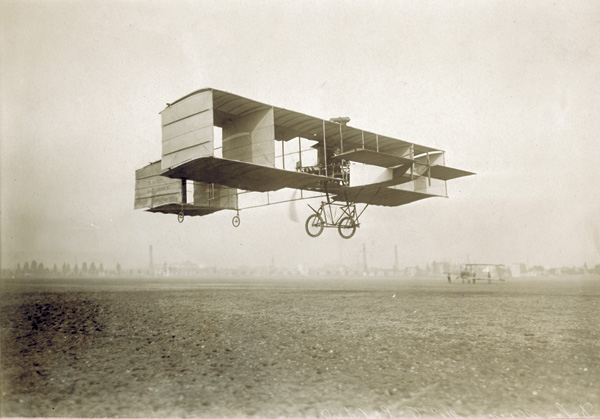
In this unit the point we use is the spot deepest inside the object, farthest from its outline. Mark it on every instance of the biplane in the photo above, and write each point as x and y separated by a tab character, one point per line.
219	148
472	272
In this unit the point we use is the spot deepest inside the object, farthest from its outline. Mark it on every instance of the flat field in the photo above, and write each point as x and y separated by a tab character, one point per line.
300	348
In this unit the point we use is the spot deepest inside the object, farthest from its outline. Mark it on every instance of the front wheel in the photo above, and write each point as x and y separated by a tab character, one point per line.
314	225
180	217
347	227
236	221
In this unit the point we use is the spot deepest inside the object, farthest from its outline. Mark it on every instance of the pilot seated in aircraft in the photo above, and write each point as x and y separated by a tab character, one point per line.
340	168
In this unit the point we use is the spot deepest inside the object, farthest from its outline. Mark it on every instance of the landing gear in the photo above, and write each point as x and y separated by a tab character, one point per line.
330	214
236	221
180	217
314	225
347	227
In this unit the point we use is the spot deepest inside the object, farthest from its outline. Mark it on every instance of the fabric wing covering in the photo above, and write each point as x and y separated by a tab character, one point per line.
388	197
290	124
244	175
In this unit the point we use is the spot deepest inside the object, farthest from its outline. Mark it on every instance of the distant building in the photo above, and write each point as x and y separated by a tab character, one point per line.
518	269
411	271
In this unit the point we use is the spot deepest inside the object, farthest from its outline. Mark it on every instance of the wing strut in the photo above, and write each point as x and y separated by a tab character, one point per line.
368	203
429	168
181	214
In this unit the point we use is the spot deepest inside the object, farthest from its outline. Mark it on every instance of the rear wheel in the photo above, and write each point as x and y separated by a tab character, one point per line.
180	217
347	227
314	225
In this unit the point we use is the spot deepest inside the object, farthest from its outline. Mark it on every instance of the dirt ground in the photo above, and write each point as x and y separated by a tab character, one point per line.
300	348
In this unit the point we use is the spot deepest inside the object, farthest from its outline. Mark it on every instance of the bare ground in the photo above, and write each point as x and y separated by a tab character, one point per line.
297	348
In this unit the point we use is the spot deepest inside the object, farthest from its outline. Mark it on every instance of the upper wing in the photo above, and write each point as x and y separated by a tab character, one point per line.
448	173
374	158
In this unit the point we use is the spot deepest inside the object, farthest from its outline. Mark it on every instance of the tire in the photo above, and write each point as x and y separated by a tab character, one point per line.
314	225
236	221
180	217
347	227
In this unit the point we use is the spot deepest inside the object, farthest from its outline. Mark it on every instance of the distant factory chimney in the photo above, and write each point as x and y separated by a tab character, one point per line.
365	267
395	259
151	266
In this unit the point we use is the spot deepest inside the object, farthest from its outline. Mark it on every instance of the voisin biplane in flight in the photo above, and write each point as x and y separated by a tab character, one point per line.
221	151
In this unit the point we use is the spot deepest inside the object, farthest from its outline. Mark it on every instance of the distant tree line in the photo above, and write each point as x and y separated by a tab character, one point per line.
38	270
34	269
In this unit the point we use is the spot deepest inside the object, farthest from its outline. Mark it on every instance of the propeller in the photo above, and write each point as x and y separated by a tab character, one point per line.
293	210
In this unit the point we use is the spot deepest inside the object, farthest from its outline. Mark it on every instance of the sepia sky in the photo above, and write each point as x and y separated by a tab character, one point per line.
510	90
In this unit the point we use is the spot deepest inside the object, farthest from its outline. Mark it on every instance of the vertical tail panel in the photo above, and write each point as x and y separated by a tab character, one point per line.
187	130
251	138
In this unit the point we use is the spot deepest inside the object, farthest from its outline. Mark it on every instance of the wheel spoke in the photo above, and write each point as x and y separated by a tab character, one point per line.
314	225
347	227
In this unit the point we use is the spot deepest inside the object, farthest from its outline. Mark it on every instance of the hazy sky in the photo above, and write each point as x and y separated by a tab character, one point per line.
510	90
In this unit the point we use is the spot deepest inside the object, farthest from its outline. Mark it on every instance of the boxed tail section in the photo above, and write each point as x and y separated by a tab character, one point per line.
153	190
158	193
